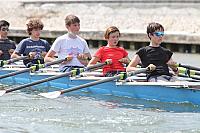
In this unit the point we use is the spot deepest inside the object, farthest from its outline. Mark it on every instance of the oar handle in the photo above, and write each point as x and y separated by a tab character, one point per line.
36	67
17	59
141	70
55	62
5	62
96	66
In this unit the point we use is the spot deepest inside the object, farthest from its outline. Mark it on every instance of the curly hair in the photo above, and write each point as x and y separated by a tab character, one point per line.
34	23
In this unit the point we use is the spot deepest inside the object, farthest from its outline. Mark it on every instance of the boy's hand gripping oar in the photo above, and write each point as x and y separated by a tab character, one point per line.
32	68
5	62
120	76
72	72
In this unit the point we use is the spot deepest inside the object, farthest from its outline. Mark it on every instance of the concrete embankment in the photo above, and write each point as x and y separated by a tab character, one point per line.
181	19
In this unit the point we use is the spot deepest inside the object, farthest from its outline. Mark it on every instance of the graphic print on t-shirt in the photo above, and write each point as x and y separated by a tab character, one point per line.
74	51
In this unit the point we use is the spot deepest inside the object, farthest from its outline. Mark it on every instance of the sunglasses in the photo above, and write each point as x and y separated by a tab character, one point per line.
158	34
4	29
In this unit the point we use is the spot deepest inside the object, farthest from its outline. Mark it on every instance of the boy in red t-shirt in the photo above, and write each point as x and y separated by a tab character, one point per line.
112	52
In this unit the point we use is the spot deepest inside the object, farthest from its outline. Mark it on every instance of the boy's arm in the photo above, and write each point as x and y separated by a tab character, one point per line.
15	55
134	62
49	57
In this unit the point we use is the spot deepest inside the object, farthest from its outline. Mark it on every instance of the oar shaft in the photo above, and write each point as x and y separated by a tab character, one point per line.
15	73
17	59
120	76
197	78
189	67
48	79
108	79
54	62
197	73
39	81
95	66
90	84
188	72
30	69
141	70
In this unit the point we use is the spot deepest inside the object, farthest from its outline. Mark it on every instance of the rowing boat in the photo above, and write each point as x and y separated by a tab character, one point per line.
183	91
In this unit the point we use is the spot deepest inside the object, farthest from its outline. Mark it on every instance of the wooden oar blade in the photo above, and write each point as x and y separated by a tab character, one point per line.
51	95
2	92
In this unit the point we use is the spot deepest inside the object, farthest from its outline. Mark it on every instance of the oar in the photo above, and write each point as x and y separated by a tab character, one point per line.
188	67
188	71
5	62
72	72
191	78
120	76
32	68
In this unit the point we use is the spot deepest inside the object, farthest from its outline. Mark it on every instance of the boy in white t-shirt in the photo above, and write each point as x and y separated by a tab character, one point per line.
70	46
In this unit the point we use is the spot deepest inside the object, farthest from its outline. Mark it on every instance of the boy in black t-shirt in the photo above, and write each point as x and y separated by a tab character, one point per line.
156	55
6	46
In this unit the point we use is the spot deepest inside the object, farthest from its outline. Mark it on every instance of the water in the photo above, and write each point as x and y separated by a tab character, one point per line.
24	113
29	113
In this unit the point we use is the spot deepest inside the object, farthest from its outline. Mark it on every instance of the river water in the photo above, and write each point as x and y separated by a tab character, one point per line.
22	112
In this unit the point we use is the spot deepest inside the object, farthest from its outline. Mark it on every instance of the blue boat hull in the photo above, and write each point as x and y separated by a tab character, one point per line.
131	90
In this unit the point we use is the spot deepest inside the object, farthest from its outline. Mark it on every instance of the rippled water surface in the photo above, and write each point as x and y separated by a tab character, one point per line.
29	113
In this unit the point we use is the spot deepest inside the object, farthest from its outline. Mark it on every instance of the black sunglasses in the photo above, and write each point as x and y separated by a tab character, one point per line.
4	29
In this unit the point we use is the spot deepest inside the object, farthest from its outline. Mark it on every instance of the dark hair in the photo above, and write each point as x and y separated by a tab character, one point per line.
71	19
4	23
152	27
110	30
34	23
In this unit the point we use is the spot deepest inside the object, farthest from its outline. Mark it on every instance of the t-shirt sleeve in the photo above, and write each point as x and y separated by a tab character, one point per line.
13	45
125	52
86	49
169	53
56	45
99	53
20	47
47	46
140	52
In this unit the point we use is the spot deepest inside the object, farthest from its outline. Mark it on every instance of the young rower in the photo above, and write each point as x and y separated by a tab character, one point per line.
70	46
156	55
112	52
7	46
33	46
